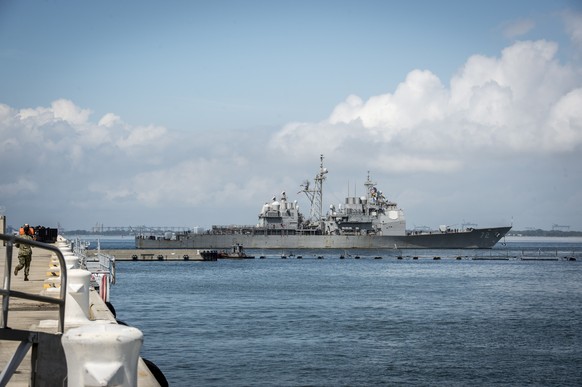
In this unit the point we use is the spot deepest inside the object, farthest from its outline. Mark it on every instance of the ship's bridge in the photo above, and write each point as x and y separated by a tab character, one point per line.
279	214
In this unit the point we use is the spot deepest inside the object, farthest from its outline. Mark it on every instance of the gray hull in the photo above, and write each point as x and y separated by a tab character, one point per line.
484	238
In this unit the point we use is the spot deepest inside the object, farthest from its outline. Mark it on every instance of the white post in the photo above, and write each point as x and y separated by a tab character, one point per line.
102	355
65	249
72	262
77	302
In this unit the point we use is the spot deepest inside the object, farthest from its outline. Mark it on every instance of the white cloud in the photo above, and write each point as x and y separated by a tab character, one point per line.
518	28
307	139
109	120
403	162
20	186
97	165
143	137
68	111
573	22
522	101
565	123
62	139
529	69
6	113
186	182
420	98
192	181
39	115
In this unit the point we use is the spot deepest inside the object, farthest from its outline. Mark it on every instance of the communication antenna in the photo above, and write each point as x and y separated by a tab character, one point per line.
369	184
315	195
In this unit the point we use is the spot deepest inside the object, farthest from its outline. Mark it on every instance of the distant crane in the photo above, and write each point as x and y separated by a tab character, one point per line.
100	228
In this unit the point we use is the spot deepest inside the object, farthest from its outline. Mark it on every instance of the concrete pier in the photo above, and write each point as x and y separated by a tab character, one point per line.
41	317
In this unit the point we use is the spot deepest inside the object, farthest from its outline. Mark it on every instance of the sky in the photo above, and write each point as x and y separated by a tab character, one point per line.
196	113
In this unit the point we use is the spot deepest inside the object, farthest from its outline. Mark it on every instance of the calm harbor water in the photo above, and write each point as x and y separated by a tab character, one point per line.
359	322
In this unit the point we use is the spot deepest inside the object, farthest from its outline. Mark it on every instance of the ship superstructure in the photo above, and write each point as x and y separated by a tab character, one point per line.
368	221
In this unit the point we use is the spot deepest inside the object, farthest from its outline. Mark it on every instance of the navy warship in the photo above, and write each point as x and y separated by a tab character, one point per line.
362	222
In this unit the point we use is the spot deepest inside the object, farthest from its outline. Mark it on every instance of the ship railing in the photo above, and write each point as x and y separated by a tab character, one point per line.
27	338
101	266
234	227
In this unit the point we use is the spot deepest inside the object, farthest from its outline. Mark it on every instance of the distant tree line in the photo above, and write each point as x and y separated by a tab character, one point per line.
546	233
87	232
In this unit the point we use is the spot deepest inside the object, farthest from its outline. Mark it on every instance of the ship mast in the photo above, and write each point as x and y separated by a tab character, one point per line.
369	184
315	195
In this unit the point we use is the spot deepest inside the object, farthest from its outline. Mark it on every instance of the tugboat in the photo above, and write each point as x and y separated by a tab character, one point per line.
367	222
236	252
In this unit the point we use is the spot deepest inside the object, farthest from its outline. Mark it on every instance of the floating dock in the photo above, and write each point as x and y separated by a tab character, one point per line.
152	254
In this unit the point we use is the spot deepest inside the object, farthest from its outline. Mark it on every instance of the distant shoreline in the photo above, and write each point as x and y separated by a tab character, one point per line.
522	238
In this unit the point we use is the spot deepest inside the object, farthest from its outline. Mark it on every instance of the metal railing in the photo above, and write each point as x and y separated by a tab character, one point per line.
28	339
7	292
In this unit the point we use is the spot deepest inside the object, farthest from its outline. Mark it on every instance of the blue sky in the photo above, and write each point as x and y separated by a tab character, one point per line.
195	113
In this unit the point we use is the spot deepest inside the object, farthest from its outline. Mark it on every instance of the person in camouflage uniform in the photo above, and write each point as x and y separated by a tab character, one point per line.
24	253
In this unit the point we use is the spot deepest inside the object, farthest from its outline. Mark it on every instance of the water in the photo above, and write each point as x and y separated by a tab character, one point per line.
348	322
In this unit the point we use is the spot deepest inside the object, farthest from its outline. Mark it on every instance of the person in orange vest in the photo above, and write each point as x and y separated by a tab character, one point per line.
24	253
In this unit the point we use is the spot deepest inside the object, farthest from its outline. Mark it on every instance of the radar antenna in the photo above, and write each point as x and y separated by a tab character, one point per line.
369	184
315	195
